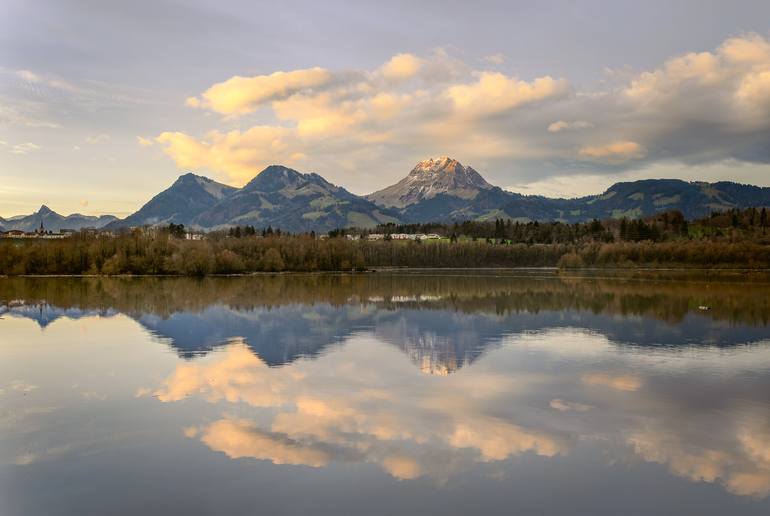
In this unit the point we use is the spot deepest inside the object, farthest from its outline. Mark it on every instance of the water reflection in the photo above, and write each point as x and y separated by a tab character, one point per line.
441	322
360	404
320	372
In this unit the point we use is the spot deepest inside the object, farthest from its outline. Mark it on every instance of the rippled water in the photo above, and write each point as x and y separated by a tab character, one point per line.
497	393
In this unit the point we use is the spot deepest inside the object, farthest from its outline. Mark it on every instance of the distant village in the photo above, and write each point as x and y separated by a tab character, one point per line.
39	233
43	234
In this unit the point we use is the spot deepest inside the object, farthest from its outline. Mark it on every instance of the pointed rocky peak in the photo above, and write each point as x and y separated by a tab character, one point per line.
45	210
274	178
448	169
188	181
430	178
444	164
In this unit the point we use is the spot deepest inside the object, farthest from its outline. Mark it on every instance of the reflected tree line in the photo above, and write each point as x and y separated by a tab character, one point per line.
731	299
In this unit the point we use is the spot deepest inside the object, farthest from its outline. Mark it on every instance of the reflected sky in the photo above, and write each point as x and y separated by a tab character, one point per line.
426	394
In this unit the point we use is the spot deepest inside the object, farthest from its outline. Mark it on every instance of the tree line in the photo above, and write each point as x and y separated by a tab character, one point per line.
736	239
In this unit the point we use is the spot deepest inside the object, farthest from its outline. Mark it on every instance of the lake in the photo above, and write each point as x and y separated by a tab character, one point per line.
503	392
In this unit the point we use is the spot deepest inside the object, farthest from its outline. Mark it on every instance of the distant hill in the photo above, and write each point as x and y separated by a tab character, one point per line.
52	221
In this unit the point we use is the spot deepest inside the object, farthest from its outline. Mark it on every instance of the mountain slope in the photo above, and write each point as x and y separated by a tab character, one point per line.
52	221
180	203
296	202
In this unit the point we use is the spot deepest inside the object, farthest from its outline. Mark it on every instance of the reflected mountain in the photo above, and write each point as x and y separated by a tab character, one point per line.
442	322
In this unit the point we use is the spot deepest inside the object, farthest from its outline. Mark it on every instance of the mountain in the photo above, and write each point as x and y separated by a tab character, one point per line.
284	198
649	196
52	221
431	178
436	190
180	203
442	190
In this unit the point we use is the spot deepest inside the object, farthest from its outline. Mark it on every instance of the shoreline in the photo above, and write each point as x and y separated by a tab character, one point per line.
374	270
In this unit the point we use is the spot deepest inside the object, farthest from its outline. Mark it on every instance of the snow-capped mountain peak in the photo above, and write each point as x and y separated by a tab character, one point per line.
432	177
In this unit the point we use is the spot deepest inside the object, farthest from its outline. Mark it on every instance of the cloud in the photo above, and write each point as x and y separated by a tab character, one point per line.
28	76
24	148
240	95
615	152
401	67
496	59
735	63
240	438
239	156
626	383
494	92
700	108
22	386
402	468
561	125
565	406
98	138
144	142
497	440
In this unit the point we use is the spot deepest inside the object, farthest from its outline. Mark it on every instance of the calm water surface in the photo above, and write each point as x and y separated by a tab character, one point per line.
497	393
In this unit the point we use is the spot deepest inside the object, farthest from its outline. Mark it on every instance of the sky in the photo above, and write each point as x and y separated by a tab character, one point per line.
104	103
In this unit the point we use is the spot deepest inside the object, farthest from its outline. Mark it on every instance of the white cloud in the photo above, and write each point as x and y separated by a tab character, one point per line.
97	138
561	125
24	148
496	59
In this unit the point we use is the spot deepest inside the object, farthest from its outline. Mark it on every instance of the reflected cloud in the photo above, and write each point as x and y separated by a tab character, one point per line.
360	403
626	383
239	438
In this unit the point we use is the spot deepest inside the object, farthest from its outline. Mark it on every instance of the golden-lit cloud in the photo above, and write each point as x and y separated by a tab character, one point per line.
401	67
614	152
240	95
743	474
346	124
401	467
737	68
319	115
498	440
238	438
144	142
494	92
236	376
237	155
